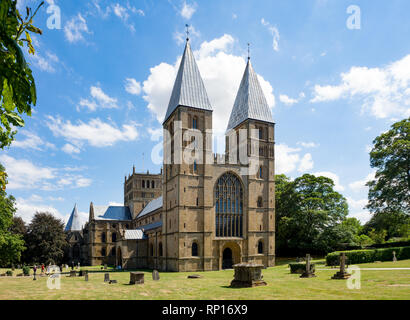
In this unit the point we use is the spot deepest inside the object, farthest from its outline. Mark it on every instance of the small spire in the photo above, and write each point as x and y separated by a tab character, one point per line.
249	51
187	32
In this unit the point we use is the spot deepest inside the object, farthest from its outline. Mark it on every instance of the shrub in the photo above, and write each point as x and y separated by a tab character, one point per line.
26	270
365	256
9	273
300	267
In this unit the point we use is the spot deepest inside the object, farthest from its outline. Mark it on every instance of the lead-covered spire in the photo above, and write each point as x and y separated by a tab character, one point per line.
250	102
189	89
74	222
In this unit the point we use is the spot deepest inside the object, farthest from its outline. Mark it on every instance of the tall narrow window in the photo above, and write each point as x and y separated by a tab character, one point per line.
194	123
260	173
114	237
152	184
195	166
260	203
143	183
103	252
103	237
228	206
160	249
260	247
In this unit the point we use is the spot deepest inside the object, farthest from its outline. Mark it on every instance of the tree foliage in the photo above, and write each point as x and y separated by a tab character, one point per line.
45	239
11	244
390	190
309	215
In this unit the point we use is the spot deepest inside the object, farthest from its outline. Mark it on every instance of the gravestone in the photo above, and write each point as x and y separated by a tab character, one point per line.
136	277
342	274
309	273
105	267
78	266
155	275
248	275
86	276
106	277
394	256
80	273
112	281
73	273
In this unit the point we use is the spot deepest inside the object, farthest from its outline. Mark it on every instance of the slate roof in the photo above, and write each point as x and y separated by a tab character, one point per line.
120	213
250	102
136	234
189	89
151	207
74	223
152	226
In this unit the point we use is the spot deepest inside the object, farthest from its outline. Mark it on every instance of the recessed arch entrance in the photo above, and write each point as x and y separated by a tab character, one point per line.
230	255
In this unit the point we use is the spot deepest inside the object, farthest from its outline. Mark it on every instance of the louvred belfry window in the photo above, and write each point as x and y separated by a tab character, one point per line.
228	206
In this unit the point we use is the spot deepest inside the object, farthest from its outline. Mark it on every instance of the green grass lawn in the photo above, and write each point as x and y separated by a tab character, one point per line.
375	284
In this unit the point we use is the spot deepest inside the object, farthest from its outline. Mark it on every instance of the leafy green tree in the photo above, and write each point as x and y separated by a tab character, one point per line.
378	236
17	86
11	245
390	190
18	226
395	224
363	240
309	214
45	239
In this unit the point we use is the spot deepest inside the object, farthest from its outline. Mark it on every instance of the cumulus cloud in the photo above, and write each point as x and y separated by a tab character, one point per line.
333	176
290	101
221	71
289	159
274	32
32	141
70	149
26	209
75	29
187	10
360	185
384	91
96	132
99	99
308	144
25	175
132	86
356	209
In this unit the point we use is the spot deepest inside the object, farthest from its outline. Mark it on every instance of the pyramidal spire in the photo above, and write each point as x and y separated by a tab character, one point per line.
250	102
74	222
189	89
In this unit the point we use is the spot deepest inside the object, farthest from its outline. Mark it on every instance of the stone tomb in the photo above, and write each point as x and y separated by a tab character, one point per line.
309	272
155	275
342	274
136	277
248	275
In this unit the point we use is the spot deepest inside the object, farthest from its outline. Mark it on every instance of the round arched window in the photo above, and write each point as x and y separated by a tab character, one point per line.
194	249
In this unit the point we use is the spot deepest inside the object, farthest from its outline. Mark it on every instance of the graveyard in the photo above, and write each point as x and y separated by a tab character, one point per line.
379	280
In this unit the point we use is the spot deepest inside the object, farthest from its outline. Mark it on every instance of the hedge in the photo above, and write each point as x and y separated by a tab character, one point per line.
365	256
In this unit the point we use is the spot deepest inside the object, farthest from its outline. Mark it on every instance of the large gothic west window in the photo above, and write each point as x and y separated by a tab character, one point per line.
228	206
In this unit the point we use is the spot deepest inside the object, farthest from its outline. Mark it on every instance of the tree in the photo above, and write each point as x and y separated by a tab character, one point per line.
11	245
17	86
18	226
390	190
396	224
309	214
45	239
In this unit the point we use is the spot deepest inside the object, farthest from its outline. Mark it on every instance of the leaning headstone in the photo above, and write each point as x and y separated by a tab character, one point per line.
106	277
309	273
155	275
136	277
394	256
342	274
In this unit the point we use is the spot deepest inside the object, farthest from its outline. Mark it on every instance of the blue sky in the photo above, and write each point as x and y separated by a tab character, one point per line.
104	80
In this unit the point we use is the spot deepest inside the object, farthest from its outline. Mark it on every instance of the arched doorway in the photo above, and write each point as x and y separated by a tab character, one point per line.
119	257
227	261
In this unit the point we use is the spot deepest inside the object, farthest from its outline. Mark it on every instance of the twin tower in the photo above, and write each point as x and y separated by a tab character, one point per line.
217	213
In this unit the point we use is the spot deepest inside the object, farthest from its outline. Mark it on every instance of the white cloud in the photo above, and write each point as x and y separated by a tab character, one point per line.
274	32
156	134
333	176
99	100
75	28
26	209
188	10
47	63
221	72
96	132
306	163
70	149
25	175
308	144
121	12
290	101
32	141
180	37
356	209
360	185
132	86
384	92
288	159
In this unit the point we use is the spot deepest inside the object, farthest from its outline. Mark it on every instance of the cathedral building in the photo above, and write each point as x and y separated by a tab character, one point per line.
207	213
